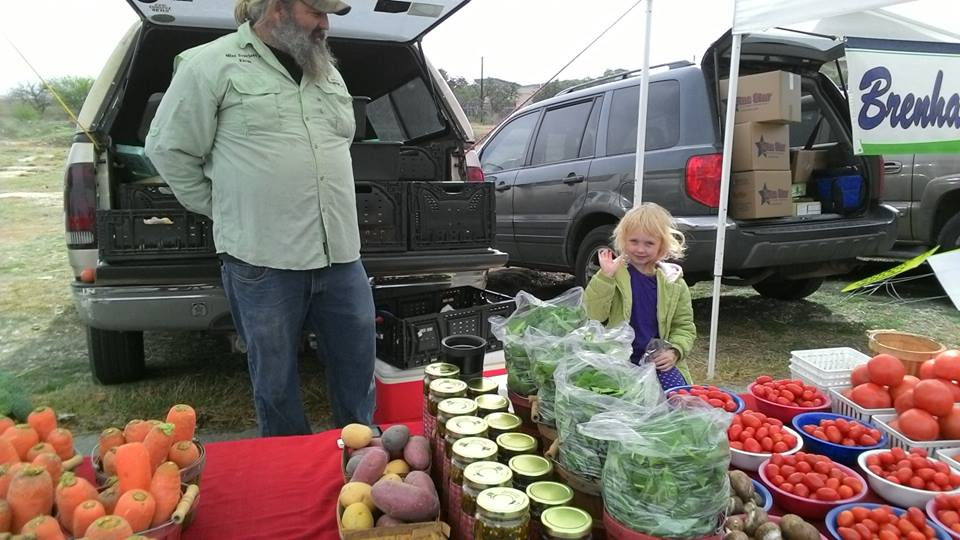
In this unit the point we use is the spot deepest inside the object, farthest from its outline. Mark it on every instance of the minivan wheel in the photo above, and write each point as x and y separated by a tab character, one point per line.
115	357
950	235
587	263
788	289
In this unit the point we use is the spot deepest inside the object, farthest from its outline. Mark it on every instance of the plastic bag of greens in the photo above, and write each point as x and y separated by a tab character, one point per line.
666	469
591	384
556	317
615	341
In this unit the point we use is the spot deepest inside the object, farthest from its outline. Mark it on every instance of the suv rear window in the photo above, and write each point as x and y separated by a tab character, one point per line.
561	133
406	113
663	118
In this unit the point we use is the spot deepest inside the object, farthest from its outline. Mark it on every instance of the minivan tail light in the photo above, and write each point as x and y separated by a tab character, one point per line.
474	174
702	177
80	205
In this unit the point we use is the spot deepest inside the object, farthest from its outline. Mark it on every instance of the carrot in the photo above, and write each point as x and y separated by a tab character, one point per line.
136	430
165	488
137	506
23	437
84	514
44	420
158	443
71	491
5	422
8	454
184	453
38	449
62	442
7	472
108	498
30	495
52	463
6	516
44	528
133	467
110	438
109	463
185	418
108	528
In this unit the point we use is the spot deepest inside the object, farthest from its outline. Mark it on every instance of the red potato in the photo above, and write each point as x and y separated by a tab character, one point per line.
406	502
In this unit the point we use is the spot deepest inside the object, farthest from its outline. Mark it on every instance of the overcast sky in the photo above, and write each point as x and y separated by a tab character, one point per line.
524	41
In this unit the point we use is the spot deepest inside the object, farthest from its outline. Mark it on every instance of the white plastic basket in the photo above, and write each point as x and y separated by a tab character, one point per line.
841	404
828	362
820	380
882	421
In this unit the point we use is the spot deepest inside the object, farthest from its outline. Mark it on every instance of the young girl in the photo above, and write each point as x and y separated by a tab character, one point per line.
640	287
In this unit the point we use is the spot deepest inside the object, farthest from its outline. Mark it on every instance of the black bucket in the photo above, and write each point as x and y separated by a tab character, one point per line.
465	352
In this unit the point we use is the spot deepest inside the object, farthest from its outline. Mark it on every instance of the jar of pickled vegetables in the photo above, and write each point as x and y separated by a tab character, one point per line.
502	514
476	478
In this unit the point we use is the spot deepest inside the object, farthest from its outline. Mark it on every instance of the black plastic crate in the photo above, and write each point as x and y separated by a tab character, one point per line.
135	235
375	161
413	339
147	196
451	214
382	214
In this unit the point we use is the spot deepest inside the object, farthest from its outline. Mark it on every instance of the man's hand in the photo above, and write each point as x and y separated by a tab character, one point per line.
666	359
610	264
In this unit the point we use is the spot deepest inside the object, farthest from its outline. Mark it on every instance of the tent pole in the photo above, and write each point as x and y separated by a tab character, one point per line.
724	199
642	110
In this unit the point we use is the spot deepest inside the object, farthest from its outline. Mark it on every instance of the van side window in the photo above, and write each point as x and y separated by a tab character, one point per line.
663	118
561	133
508	148
589	145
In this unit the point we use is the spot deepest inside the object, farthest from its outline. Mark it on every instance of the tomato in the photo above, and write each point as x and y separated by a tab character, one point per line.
909	381
880	515
846	533
917	517
904	401
948	517
845	518
871	524
947	364
926	370
764	379
801	490
933	396
886	370
859	375
871	396
860	513
953	388
827	494
750	420
751	445
918	424
844	492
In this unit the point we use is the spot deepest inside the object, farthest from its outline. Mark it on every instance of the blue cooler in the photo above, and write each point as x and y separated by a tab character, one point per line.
842	192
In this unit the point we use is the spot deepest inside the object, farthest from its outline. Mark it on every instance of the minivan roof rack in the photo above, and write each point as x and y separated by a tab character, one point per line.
621	76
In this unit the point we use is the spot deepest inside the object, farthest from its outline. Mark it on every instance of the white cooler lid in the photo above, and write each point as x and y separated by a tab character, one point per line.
388	374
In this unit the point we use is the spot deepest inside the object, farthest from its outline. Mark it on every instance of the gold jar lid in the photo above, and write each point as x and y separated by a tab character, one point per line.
566	522
444	370
503	421
448	387
530	465
466	426
492	402
503	502
475	448
487	473
518	443
549	493
483	385
457	406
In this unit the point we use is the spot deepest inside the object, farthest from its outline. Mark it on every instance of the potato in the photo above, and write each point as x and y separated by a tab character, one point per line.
354	492
794	527
371	466
741	484
767	531
736	535
391	477
352	465
398	467
395	439
417	453
356	436
406	501
356	517
421	480
387	521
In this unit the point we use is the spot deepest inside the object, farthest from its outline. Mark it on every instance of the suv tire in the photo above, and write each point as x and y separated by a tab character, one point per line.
587	263
950	235
115	357
788	289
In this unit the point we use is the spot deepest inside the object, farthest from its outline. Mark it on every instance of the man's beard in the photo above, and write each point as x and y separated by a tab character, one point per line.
309	50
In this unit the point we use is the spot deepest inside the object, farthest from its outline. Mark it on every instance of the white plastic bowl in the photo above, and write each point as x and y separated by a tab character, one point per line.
897	494
750	461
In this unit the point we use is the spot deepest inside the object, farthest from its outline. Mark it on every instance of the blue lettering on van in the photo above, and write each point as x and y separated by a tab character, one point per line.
904	111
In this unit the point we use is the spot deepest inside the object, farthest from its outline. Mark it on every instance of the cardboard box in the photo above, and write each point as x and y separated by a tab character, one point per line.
804	162
760	194
798	190
761	146
806	208
773	96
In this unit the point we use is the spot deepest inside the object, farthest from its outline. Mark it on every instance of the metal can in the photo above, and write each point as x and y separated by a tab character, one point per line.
451	407
543	495
476	478
529	468
465	451
491	403
565	523
502	514
481	386
515	444
440	389
502	422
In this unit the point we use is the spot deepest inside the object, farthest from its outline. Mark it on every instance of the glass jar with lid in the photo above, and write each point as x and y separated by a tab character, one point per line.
545	494
438	370
502	422
565	523
457	428
465	451
529	468
515	444
481	386
440	389
491	403
476	478
502	514
451	407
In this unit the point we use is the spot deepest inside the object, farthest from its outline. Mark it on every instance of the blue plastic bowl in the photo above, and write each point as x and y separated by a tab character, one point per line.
831	519
839	453
736	399
765	493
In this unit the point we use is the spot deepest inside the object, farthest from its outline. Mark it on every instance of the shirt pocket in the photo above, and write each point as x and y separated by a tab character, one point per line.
337	108
259	103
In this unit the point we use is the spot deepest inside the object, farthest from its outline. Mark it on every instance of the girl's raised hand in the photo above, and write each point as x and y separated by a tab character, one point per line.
608	263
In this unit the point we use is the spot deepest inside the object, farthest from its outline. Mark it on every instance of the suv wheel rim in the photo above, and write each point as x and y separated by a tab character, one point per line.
593	264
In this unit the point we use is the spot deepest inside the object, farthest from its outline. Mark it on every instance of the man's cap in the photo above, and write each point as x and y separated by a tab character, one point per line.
337	7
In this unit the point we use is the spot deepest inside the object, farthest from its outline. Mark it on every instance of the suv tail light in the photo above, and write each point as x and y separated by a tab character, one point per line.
474	174
702	178
80	205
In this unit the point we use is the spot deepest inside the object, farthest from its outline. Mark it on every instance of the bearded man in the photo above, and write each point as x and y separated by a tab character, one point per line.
254	132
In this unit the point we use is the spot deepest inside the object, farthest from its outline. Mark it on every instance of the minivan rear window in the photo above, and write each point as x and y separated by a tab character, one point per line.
663	118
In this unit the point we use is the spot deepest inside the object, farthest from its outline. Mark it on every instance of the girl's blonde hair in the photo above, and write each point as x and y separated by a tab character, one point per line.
653	220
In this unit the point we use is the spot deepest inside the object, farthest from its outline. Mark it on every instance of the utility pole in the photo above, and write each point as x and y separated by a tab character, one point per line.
481	89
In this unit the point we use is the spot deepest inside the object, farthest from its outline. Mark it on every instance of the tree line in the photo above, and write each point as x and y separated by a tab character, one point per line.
36	98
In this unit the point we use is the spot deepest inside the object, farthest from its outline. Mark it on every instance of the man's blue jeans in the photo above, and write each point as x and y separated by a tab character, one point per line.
272	307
